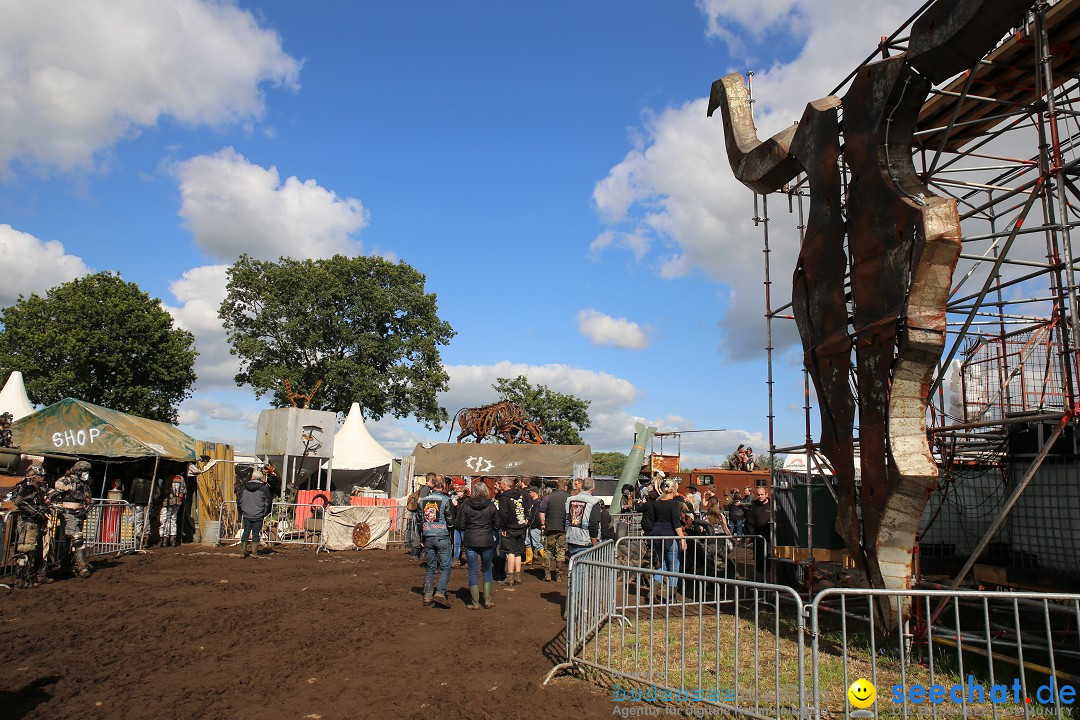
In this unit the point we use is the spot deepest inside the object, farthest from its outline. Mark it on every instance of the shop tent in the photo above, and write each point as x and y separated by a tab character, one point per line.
359	460
13	397
78	428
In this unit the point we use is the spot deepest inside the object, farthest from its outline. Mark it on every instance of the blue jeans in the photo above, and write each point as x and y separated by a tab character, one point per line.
668	552
533	539
736	527
438	554
479	559
251	526
459	537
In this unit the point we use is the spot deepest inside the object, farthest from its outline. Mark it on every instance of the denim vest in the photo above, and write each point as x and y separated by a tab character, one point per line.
433	515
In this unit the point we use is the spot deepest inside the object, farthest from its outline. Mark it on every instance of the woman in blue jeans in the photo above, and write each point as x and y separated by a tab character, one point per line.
665	513
478	519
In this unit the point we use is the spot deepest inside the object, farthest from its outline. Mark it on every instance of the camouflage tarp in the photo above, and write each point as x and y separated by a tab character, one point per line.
74	427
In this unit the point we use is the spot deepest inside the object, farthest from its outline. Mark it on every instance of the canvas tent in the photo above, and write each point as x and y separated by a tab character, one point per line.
359	460
13	398
77	428
490	459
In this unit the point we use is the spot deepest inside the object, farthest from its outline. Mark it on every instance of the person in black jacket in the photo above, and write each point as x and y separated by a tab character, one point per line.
552	514
478	519
759	522
514	508
254	503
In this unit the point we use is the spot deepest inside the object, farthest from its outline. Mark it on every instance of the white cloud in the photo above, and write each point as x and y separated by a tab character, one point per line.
32	265
233	206
602	329
674	196
76	78
200	292
732	21
470	385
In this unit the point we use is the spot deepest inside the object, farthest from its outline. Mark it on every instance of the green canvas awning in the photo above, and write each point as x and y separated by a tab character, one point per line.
78	428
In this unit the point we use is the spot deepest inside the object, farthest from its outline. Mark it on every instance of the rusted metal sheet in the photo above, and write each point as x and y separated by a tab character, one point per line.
903	243
818	302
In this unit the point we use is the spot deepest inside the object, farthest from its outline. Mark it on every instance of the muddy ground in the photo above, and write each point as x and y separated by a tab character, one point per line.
197	632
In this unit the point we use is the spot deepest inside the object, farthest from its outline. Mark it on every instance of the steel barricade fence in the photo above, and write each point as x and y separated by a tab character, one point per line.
732	557
287	524
626	524
667	637
956	653
109	528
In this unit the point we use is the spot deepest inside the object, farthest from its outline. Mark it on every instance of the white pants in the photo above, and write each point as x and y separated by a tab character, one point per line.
168	522
141	519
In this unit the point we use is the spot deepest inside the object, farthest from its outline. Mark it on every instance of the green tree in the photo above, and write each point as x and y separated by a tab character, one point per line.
363	325
561	417
102	340
608	463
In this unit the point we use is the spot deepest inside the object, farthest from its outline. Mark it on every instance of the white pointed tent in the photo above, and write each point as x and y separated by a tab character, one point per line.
359	459
13	398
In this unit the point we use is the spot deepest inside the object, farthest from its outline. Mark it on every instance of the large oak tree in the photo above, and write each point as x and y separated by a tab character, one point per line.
102	340
364	326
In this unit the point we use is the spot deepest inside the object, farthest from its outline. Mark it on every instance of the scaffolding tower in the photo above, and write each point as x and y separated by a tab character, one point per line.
1002	139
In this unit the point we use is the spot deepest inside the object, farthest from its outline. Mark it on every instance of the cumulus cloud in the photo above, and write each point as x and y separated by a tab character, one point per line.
76	78
673	202
233	206
200	292
32	265
602	329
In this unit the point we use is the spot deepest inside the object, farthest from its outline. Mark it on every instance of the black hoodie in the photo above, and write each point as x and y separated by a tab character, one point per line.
479	518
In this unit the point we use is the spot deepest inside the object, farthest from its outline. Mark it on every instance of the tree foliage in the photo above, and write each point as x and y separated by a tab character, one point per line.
561	417
102	340
363	325
608	463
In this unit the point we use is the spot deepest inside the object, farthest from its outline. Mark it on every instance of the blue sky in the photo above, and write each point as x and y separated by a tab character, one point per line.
548	166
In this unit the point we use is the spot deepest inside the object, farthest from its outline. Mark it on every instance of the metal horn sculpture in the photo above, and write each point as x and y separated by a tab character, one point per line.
904	243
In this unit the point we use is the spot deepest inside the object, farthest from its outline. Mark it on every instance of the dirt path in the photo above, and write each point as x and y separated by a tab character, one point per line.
199	632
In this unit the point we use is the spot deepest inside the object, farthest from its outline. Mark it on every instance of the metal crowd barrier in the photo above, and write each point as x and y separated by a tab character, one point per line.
724	644
734	557
626	524
959	653
109	528
287	524
665	637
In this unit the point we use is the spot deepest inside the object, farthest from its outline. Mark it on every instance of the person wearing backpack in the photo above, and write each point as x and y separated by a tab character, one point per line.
435	516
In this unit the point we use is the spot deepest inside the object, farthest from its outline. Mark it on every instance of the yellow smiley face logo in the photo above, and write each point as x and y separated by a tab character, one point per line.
862	693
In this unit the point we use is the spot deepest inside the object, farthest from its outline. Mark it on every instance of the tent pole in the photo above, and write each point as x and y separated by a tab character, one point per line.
149	504
329	473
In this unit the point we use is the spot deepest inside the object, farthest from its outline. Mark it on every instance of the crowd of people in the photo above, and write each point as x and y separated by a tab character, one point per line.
670	517
494	528
497	526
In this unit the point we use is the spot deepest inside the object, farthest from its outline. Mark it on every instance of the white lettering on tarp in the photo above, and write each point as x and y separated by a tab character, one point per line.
75	438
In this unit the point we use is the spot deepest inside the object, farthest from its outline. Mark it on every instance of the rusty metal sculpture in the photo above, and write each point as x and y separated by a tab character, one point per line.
295	396
903	243
502	420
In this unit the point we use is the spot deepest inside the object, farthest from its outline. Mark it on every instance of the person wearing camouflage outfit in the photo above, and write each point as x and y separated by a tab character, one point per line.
72	493
30	503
